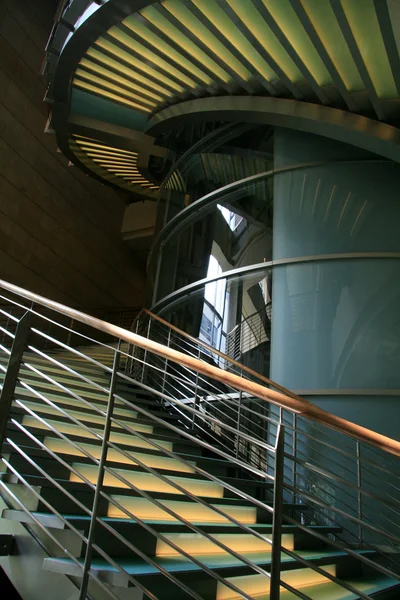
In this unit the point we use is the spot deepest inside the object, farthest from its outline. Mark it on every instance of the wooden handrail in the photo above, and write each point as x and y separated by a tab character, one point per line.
225	357
294	404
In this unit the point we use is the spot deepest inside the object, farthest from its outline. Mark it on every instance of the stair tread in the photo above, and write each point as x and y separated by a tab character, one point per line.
333	591
174	564
267	527
76	486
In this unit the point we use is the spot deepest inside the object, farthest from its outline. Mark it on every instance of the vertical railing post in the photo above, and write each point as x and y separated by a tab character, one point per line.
277	516
132	350
239	418
100	476
359	494
195	403
294	474
166	363
145	352
13	366
70	332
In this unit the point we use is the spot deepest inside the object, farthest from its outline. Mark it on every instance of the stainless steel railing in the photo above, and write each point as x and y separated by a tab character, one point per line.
251	333
327	476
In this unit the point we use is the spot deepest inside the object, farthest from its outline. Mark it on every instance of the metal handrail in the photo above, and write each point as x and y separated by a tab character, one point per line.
285	400
154	349
290	401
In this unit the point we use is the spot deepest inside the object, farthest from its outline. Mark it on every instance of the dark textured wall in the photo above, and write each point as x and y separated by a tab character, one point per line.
59	229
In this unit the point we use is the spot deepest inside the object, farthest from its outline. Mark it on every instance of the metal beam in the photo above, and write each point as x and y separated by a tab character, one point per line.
356	54
292	88
340	125
13	366
218	82
385	25
136	56
230	46
277	31
315	39
237	81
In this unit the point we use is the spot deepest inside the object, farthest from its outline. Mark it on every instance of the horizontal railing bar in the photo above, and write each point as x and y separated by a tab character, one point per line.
173	455
60	325
11	335
44	501
122	479
9	315
195	498
48	477
184	433
73	528
307	409
54	430
225	357
342	548
192	558
70	417
68	369
329	475
114	473
337	510
46	531
71	349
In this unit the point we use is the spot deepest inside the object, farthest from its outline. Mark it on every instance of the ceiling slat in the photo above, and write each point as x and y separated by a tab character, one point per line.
356	54
319	46
309	78
292	88
385	25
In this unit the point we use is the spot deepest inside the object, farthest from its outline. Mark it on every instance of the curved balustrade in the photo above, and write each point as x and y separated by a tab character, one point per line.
75	413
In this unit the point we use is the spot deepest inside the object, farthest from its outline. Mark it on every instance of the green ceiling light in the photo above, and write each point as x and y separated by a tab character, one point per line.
249	15
132	44
214	13
153	16
114	161
111	96
82	74
140	29
116	65
123	81
289	23
103	147
325	24
366	31
200	31
114	164
121	54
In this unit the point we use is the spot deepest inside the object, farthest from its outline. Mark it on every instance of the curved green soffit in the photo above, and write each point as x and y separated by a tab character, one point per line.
368	134
135	62
88	105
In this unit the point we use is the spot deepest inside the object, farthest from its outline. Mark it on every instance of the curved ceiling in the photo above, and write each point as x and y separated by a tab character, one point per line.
127	65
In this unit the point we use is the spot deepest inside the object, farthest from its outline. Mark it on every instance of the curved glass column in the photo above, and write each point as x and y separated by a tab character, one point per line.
230	229
336	335
231	313
323	221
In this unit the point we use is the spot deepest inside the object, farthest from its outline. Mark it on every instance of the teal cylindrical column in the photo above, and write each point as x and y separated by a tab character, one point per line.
336	291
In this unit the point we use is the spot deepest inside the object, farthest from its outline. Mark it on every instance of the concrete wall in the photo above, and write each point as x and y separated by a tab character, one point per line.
59	229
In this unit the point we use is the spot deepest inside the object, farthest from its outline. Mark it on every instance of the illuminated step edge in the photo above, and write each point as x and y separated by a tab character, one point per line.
47	386
149	482
50	368
69	401
257	586
71	429
196	544
50	410
150	460
191	511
